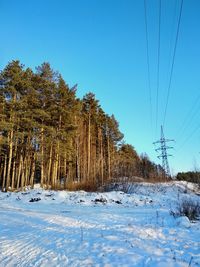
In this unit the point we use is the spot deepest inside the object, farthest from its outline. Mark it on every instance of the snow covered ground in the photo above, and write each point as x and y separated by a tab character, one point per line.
99	229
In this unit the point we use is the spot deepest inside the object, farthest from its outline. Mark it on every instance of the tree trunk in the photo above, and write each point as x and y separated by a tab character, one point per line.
13	175
4	173
88	152
77	160
19	170
9	159
53	179
50	166
42	157
101	158
32	172
108	148
23	174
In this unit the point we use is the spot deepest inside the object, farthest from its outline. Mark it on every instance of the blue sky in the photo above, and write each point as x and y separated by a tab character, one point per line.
101	45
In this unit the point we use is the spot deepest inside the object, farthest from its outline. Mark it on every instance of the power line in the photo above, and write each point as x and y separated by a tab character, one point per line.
148	64
158	63
173	60
192	113
172	34
189	137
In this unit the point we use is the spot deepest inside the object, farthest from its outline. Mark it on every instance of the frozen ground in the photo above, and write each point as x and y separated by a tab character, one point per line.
98	229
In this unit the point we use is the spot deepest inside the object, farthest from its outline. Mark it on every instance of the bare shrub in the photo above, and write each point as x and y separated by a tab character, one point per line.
117	186
190	209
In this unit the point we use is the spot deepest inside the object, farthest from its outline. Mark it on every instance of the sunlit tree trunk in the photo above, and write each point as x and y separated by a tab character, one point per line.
42	157
4	172
89	148
10	141
32	171
49	166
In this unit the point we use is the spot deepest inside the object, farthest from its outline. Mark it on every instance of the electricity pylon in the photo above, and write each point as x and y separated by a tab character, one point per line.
163	152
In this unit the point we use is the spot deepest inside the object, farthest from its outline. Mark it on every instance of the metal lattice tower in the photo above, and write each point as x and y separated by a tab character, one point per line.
163	152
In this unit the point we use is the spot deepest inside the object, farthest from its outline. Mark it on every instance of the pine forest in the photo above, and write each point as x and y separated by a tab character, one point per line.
50	136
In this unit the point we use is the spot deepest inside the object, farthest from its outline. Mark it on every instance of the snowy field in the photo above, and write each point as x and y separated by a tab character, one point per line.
99	229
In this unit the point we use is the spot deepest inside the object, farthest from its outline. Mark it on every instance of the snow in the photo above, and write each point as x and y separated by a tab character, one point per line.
183	221
99	229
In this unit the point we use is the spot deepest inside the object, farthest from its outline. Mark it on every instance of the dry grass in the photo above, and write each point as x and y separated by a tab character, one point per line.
87	186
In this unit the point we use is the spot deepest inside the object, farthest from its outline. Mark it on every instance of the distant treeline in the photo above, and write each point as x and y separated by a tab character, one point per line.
193	177
48	135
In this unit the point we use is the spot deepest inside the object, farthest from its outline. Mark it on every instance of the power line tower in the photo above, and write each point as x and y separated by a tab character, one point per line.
163	152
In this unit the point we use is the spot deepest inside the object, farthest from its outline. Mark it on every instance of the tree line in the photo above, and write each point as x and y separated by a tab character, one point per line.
191	176
49	135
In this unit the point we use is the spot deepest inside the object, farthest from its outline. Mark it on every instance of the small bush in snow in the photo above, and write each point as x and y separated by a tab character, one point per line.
101	200
35	199
190	209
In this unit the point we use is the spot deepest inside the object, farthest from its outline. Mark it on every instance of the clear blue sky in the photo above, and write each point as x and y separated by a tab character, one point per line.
101	45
